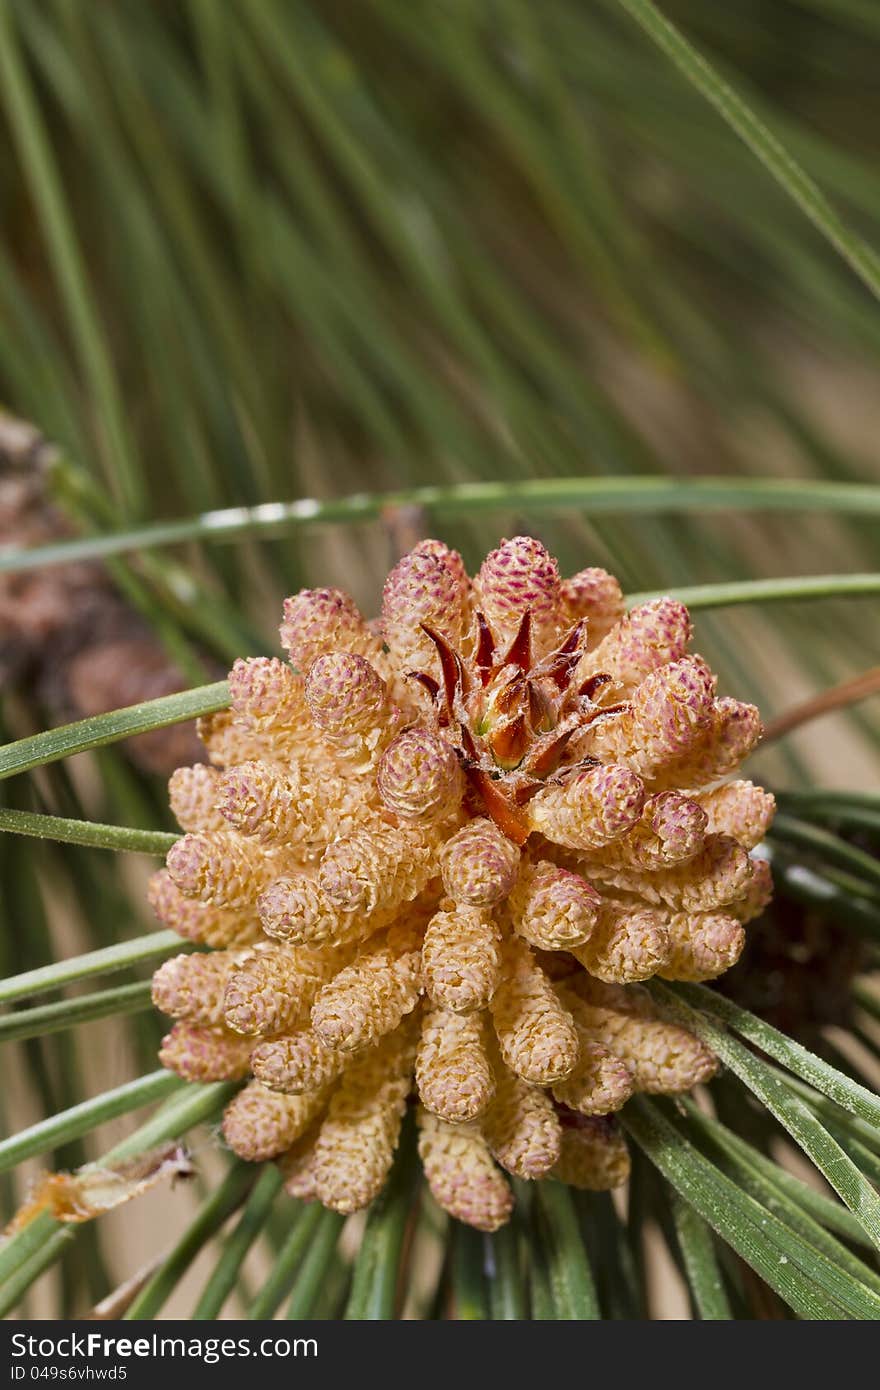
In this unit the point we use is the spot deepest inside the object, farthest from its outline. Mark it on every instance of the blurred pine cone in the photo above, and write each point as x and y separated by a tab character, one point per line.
67	637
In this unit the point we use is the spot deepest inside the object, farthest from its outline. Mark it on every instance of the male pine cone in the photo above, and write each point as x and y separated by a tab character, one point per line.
433	858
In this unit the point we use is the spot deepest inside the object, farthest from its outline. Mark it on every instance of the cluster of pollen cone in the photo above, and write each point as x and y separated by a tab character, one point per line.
433	855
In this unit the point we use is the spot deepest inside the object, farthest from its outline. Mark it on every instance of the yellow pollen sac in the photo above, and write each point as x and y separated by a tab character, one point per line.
461	1175
346	697
356	1145
297	1062
590	808
272	987
672	829
378	870
428	586
593	1156
434	854
321	621
461	958
631	942
669	715
453	1075
520	576
735	731
219	867
295	807
258	799
200	922
704	945
600	1083
521	1127
419	778
192	792
649	637
369	998
596	595
552	908
262	995
199	1053
192	986
536	1034
718	875
663	1058
260	1124
478	865
267	695
297	910
739	809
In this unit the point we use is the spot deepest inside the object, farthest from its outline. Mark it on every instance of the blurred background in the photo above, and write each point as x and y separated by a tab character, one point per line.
273	249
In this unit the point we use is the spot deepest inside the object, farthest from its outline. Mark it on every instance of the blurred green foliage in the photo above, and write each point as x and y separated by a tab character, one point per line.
262	250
